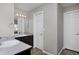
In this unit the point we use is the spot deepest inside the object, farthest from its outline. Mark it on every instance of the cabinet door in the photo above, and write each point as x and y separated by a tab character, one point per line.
26	39
19	38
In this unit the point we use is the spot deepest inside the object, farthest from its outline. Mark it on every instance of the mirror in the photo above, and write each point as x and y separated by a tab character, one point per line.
21	24
23	21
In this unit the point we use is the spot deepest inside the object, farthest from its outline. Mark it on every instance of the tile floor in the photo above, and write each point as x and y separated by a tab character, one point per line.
69	52
36	51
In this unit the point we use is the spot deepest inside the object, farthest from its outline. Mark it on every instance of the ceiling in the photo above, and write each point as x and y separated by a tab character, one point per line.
68	4
31	6
27	6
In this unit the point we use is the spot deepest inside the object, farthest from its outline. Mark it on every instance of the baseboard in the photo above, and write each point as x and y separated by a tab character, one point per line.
60	51
47	52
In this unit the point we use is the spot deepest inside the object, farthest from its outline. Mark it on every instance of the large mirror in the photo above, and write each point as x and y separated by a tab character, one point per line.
21	24
21	21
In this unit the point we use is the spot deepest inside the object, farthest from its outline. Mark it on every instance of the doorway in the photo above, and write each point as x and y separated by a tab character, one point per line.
71	30
38	30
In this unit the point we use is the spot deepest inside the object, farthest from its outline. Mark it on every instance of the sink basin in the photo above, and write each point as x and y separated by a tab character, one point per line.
9	43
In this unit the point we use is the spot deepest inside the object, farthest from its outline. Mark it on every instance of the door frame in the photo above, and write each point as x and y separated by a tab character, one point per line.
64	43
34	28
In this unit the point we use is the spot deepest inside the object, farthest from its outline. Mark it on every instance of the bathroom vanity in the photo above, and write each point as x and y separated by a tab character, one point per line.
11	24
28	39
22	26
14	47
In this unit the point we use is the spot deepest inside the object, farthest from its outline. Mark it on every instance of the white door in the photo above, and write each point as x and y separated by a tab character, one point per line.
71	30
38	30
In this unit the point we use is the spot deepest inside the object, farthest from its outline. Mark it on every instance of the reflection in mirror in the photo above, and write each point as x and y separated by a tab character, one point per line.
15	25
15	21
20	24
23	20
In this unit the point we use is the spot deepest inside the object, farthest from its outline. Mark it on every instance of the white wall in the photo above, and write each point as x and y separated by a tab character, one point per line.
6	18
50	24
59	28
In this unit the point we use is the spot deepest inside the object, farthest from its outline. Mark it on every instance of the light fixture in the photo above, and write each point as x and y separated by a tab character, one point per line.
17	14
20	15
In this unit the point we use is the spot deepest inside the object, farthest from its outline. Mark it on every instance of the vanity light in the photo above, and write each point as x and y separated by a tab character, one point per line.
15	25
17	14
20	15
25	16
